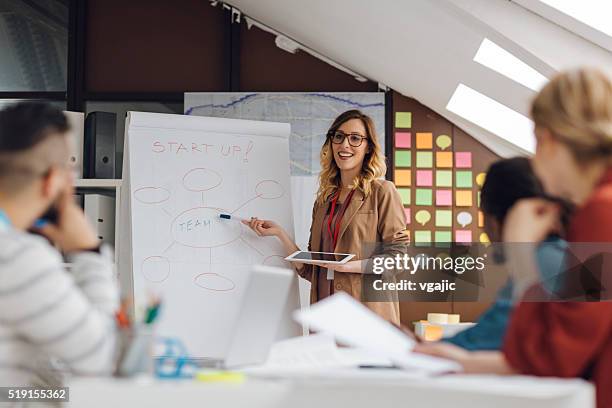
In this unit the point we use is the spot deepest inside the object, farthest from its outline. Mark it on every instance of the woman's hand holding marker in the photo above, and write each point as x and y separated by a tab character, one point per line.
264	228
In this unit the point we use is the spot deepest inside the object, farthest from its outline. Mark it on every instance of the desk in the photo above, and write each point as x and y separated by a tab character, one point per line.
367	390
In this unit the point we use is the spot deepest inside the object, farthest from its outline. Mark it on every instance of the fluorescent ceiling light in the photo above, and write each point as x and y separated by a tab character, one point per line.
493	116
499	60
595	13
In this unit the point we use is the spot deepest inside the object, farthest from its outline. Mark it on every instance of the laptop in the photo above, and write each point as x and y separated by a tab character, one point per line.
265	316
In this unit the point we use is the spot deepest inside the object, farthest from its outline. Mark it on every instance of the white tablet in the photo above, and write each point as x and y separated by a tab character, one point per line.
319	257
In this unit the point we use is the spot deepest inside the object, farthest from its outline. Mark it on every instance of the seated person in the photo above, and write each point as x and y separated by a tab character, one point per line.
48	314
507	182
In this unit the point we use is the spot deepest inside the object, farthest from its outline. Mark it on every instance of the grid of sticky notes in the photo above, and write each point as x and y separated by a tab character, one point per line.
436	184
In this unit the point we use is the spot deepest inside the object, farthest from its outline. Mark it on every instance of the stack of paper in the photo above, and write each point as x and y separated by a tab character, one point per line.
353	324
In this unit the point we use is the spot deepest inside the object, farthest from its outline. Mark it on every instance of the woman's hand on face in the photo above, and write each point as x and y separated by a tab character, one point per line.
264	228
531	220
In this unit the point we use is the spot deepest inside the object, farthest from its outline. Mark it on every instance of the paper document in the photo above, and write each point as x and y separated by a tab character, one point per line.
353	324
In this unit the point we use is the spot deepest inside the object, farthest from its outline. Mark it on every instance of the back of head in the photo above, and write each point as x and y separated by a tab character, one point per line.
31	142
576	106
508	181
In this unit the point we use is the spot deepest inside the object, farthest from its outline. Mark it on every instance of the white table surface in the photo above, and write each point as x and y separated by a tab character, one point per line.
350	388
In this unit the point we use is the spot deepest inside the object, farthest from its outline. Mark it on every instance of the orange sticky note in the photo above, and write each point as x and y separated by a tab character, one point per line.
444	159
433	332
402	177
424	140
463	198
480	219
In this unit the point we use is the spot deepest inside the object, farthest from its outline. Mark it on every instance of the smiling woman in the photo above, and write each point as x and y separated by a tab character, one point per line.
356	210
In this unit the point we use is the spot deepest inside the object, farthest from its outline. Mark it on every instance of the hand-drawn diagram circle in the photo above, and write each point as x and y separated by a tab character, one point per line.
269	189
201	179
275	260
214	281
201	227
151	195
155	268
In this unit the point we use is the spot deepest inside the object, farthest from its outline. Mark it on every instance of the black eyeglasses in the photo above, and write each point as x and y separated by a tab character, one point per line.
354	139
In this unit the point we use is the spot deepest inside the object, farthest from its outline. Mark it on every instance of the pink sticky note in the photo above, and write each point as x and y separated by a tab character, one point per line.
463	160
424	178
402	139
407	214
444	197
463	236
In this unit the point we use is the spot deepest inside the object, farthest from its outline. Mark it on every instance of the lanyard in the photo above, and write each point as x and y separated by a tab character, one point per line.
4	219
334	236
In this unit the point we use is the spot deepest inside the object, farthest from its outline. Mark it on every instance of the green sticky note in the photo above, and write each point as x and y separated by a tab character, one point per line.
479	199
444	178
405	195
444	218
424	196
422	238
403	119
424	160
403	158
463	179
443	239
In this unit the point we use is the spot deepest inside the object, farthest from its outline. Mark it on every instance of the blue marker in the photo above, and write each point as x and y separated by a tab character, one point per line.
233	217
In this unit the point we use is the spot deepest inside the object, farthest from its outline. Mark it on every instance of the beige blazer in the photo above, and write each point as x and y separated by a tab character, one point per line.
377	218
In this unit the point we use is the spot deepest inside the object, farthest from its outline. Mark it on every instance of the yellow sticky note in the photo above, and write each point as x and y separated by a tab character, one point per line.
463	198
433	332
444	159
402	177
424	140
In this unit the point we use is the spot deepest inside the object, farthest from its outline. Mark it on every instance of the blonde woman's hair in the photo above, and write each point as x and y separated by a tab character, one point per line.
374	166
576	107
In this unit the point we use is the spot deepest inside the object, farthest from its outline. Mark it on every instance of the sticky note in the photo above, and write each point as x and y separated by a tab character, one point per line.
422	238
407	214
478	198
403	177
463	160
444	218
463	198
404	195
403	158
444	178
424	159
424	141
480	219
424	178
463	179
403	119
463	236
403	139
444	159
444	197
443	239
424	196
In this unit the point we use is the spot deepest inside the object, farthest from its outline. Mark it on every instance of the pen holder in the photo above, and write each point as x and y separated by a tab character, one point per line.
135	351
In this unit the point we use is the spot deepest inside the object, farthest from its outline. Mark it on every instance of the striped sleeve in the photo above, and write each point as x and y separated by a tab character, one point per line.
43	304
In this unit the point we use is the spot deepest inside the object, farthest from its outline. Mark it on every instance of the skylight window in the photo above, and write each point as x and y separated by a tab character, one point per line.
493	116
499	60
595	13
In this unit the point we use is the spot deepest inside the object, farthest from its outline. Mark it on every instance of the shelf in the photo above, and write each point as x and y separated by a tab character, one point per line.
97	183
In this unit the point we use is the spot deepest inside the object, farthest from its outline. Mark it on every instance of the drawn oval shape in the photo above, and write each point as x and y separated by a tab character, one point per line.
155	269
214	281
275	260
201	179
201	227
151	195
269	189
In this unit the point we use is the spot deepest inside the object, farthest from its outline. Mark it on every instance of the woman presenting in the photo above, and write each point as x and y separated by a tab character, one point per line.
355	210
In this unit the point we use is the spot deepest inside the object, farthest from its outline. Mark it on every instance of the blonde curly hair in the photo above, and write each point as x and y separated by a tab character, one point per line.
373	168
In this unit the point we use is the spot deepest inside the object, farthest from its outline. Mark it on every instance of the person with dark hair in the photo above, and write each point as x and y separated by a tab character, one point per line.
46	312
507	182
